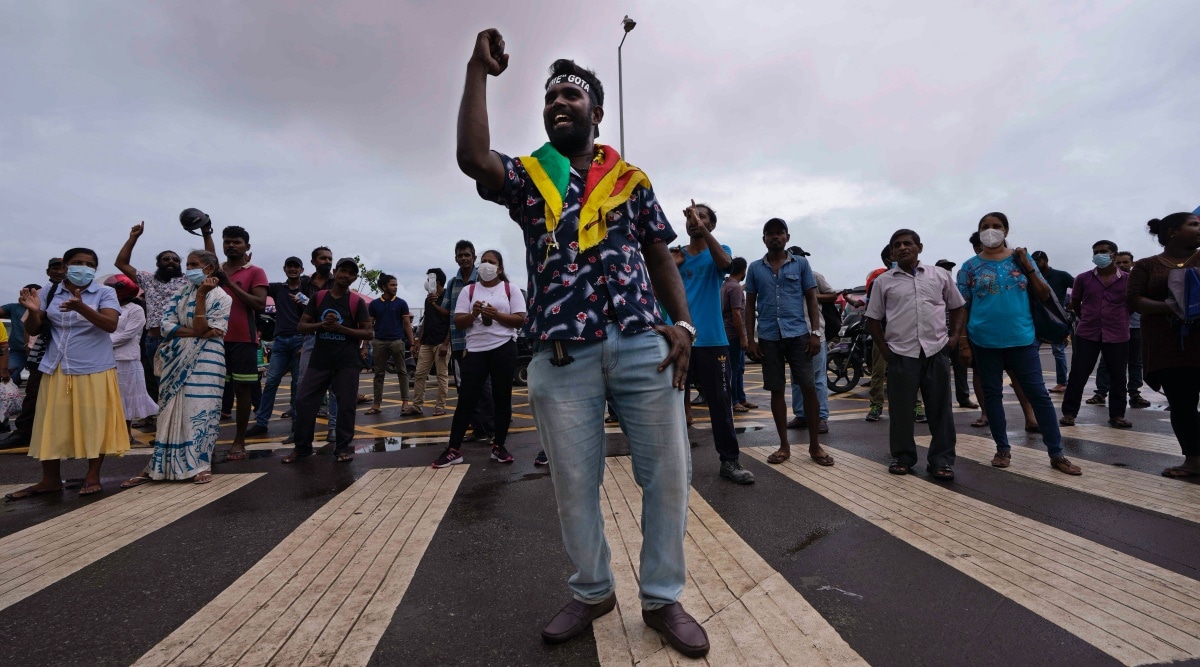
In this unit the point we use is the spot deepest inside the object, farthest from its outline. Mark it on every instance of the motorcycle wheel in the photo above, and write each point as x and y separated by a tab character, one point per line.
842	373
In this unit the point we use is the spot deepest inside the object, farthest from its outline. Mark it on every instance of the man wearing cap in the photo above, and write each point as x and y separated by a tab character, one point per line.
289	301
22	431
703	263
781	301
157	290
594	280
339	319
825	295
962	383
247	284
1060	282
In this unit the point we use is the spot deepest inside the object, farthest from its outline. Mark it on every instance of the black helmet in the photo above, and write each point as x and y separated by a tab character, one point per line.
194	219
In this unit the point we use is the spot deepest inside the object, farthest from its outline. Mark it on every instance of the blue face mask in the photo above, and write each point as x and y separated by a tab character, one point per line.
195	276
80	275
1102	261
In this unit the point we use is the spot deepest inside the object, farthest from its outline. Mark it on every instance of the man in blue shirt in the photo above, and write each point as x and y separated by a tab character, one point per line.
703	263
779	287
393	326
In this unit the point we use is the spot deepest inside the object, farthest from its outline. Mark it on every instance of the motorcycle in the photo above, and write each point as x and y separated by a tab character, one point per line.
849	359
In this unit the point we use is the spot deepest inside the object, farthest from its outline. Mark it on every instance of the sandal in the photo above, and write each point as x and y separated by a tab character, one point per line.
135	481
439	412
344	457
29	493
1180	472
293	457
778	457
235	455
90	489
740	408
1120	422
943	473
982	422
374	411
1066	420
410	411
1033	428
822	459
1002	459
1062	464
898	468
202	478
1096	399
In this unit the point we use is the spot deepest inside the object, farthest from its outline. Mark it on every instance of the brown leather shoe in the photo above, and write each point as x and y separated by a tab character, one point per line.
1062	464
1001	460
797	422
823	426
574	618
680	629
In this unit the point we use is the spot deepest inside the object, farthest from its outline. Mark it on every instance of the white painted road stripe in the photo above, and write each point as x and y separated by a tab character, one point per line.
1149	442
1134	611
327	593
752	614
41	555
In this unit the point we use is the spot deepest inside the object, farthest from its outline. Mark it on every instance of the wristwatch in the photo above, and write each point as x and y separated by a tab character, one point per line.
688	328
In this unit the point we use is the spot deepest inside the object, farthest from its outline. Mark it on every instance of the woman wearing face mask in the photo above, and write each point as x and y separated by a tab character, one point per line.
79	413
998	284
491	311
192	358
130	374
1171	360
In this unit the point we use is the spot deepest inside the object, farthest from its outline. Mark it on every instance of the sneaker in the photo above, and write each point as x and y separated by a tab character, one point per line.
478	437
448	458
1136	401
875	413
919	414
541	459
256	431
499	453
733	470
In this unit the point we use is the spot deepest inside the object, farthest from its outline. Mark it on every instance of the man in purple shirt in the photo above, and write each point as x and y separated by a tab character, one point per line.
914	300
1098	297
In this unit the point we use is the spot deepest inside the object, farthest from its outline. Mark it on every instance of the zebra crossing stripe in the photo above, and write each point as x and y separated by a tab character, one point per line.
1148	442
751	613
328	591
1134	611
1152	492
41	555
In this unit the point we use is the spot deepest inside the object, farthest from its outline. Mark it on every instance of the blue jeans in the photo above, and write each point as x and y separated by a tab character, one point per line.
822	382
1060	363
737	387
568	409
306	350
1024	365
285	358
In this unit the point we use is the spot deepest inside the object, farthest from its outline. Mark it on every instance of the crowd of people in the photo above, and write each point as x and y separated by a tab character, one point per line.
620	322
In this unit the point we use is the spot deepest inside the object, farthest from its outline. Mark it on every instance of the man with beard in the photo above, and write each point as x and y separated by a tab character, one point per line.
247	284
22	431
285	348
157	290
321	259
703	263
593	311
483	422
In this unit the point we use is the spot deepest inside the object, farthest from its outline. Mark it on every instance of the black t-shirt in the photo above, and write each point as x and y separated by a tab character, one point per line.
287	312
333	351
434	325
1060	282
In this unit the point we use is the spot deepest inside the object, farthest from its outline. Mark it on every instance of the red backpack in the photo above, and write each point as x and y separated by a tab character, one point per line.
355	302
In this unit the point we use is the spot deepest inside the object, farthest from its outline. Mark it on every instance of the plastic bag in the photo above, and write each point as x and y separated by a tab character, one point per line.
10	400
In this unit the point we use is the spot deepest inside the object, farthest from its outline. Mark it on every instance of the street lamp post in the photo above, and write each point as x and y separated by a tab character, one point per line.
628	24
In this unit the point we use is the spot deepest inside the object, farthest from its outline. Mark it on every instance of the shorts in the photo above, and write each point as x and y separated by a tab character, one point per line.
241	362
793	351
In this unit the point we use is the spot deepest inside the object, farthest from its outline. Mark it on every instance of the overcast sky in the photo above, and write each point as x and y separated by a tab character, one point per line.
334	123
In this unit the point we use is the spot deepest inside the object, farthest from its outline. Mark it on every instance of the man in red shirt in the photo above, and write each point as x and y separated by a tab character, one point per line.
247	284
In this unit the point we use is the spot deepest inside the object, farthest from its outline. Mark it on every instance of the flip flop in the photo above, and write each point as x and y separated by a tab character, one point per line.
897	468
202	478
944	473
373	411
293	457
1179	472
779	457
235	455
346	457
982	422
822	459
28	493
135	481
90	489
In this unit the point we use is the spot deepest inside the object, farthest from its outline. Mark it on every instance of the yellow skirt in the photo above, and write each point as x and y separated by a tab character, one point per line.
78	417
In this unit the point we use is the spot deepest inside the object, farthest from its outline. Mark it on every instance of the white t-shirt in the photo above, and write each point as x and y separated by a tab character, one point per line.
481	338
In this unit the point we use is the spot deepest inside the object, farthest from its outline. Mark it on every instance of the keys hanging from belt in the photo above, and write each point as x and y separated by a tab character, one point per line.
561	358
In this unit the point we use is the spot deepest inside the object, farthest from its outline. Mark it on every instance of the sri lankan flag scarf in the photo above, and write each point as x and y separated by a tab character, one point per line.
610	182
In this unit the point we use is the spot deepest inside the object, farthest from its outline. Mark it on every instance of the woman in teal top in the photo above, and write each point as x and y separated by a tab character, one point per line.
997	285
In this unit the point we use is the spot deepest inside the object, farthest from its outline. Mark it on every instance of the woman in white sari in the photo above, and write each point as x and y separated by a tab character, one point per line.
192	378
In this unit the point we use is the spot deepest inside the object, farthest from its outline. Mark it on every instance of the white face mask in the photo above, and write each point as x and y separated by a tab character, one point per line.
991	238
488	272
430	283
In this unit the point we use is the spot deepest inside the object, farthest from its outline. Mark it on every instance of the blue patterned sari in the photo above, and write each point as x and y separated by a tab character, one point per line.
190	388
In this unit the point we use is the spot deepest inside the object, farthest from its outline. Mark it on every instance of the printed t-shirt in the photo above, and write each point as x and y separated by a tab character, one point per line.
248	277
702	283
481	338
997	292
333	350
157	296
